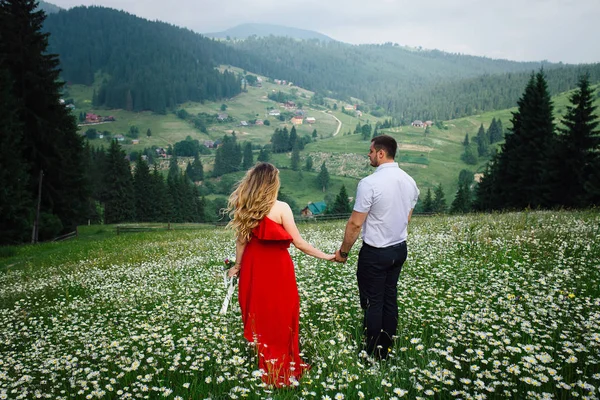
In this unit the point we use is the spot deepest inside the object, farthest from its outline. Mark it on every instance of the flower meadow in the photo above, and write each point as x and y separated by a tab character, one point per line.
491	306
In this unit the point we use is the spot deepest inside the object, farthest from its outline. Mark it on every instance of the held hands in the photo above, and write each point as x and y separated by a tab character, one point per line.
339	258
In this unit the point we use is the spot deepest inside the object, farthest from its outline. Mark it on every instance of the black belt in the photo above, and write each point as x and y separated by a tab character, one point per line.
385	248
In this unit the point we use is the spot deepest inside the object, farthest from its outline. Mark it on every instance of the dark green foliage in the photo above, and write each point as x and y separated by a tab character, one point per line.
576	152
469	156
16	200
518	177
248	158
439	200
137	78
466	141
264	155
462	200
48	139
280	141
482	142
174	171
142	184
465	177
308	166
323	178
495	131
148	132
91	134
118	193
134	132
366	131
162	203
281	97
295	161
228	156
189	148
341	204
428	202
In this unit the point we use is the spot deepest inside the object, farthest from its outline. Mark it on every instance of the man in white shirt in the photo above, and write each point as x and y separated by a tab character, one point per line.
384	204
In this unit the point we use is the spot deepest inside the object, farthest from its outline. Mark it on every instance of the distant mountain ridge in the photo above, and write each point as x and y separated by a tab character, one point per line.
48	7
151	65
244	31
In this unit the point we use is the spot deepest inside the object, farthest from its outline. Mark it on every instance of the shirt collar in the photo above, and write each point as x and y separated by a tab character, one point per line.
387	165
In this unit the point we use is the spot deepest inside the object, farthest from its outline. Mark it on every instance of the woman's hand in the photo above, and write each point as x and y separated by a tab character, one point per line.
330	257
233	271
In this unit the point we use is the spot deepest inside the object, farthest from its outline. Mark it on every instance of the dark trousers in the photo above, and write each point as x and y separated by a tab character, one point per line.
377	275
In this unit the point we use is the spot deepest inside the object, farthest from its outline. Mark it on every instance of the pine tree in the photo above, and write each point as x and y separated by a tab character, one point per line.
482	142
462	200
293	139
466	141
148	132
161	201
428	202
142	184
174	170
248	159
323	178
495	131
49	142
341	205
16	201
468	156
295	158
263	156
197	169
308	166
118	194
519	173
439	200
576	149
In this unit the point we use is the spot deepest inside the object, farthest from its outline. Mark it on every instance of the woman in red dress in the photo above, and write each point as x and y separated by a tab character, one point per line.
268	293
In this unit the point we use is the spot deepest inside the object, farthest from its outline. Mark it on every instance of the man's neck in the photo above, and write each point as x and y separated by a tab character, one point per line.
385	161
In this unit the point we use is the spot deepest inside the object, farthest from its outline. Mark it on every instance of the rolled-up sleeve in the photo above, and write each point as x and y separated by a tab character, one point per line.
364	197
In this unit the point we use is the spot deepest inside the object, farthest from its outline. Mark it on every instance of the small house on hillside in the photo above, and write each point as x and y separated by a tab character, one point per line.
310	120
418	124
222	117
313	209
297	120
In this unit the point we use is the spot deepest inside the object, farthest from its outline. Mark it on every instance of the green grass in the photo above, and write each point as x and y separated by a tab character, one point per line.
430	159
500	304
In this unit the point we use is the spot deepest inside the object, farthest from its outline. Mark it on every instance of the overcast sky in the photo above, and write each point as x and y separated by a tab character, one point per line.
522	30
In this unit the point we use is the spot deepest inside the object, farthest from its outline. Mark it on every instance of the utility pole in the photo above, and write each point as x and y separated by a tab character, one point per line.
36	223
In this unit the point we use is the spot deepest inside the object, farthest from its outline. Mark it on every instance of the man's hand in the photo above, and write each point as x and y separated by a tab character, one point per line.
339	258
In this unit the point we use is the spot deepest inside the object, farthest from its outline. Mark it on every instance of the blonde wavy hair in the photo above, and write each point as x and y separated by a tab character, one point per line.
252	199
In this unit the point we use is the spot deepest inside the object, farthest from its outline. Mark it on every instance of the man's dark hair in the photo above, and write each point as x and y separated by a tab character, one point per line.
385	143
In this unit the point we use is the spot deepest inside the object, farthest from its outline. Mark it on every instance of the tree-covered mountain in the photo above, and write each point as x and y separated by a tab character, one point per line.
147	65
244	31
155	66
48	8
407	83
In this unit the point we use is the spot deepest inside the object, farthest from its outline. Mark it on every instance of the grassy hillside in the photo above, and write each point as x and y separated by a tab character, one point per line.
431	159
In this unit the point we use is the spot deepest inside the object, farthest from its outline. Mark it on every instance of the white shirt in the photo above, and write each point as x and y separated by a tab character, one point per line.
387	196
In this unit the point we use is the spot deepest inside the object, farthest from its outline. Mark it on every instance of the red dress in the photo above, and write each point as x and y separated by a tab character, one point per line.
270	304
